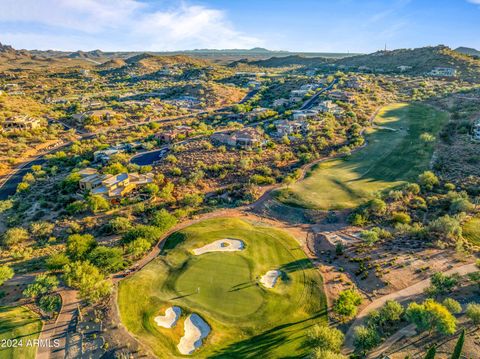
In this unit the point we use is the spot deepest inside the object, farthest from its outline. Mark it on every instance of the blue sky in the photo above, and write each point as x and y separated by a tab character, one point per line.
296	25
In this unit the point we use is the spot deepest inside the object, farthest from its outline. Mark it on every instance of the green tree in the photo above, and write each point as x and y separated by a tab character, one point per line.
41	230
6	273
109	260
119	225
365	338
326	338
442	284
15	236
138	247
78	245
57	261
151	189
88	280
473	312
377	207
347	303
149	233
430	316
164	220
452	305
445	227
428	180
50	303
43	284
327	354
97	203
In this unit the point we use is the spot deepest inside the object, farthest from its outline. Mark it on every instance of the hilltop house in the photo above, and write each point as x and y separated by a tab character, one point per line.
443	72
112	187
104	155
22	123
328	106
100	114
280	102
169	136
303	114
285	127
246	138
342	96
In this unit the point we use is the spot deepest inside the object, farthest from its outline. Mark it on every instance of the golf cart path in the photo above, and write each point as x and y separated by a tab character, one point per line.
399	296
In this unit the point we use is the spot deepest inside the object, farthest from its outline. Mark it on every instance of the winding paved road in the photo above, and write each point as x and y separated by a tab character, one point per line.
400	296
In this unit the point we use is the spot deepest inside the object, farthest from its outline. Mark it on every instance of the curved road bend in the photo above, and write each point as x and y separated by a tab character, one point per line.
400	296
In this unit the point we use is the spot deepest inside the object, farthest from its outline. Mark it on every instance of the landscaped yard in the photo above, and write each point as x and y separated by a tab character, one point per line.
394	153
18	324
247	319
471	231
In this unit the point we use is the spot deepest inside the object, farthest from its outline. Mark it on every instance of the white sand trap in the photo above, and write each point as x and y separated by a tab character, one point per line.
195	330
170	318
222	245
269	279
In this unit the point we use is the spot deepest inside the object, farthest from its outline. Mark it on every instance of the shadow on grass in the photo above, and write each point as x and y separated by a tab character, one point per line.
300	264
263	344
174	240
241	286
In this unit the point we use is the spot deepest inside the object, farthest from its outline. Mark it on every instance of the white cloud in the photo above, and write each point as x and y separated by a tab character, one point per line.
474	1
120	25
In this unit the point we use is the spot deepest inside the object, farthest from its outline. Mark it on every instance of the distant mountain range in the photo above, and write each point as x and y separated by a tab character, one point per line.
227	54
468	51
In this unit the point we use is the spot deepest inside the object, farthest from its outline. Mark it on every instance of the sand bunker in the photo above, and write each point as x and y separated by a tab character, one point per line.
195	330
270	278
222	245
170	318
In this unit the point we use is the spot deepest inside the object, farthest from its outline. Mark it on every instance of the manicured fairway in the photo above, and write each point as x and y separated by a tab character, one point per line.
18	324
247	320
471	231
394	154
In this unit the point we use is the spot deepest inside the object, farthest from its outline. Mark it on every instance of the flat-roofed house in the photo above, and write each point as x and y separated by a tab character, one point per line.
21	123
245	138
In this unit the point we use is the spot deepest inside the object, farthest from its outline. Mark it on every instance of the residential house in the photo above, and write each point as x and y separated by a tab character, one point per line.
443	72
171	135
22	123
328	106
112	186
404	68
246	138
285	127
298	93
280	102
104	155
304	114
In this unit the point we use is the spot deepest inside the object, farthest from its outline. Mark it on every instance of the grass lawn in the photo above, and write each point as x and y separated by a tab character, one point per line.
394	154
20	324
247	320
471	231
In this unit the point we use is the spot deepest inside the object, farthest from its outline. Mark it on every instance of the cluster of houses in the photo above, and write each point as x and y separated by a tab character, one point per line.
247	138
188	102
21	123
112	187
443	72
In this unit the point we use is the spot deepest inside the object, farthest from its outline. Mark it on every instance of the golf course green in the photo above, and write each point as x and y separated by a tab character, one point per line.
247	320
394	153
18	324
